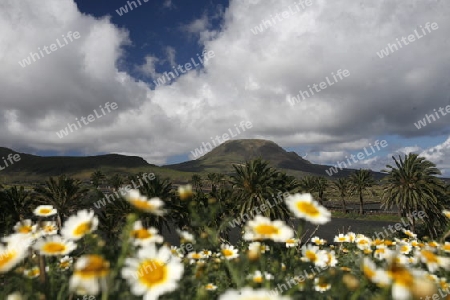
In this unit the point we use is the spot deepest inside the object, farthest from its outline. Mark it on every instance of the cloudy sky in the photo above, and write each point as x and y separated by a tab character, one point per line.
262	53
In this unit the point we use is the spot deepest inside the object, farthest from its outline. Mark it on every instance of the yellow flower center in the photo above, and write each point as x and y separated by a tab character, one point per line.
142	204
311	255
6	257
152	273
25	229
141	234
95	266
196	256
402	276
45	211
258	279
429	256
370	273
266	230
227	252
308	208
54	247
82	229
64	264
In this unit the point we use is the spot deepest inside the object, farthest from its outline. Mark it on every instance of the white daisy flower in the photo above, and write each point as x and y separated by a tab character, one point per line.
377	276
321	285
206	253
351	236
79	225
261	228
210	287
45	211
32	273
154	205
12	254
89	275
313	254
259	277
185	236
48	227
446	213
247	293
65	262
341	238
185	191
258	247
142	236
54	245
363	242
228	251
293	242
303	206
152	273
318	241
25	227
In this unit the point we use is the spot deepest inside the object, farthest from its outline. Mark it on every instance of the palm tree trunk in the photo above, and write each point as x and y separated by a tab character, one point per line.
344	207
361	205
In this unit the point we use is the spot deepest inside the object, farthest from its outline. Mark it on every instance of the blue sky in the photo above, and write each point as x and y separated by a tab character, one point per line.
264	53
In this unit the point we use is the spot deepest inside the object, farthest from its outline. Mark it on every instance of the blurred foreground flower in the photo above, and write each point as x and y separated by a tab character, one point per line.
154	205
185	191
78	226
89	276
261	228
143	236
303	206
11	255
25	226
152	272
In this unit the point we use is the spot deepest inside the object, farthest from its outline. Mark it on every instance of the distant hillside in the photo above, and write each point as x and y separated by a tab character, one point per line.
222	158
56	165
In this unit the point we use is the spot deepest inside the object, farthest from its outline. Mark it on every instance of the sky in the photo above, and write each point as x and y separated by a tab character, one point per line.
326	79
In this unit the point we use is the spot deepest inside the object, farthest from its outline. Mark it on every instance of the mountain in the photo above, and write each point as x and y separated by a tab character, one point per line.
222	158
32	165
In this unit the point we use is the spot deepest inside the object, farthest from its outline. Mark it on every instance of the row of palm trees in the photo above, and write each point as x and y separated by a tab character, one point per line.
410	185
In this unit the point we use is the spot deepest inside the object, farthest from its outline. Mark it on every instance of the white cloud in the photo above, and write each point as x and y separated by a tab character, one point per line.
248	79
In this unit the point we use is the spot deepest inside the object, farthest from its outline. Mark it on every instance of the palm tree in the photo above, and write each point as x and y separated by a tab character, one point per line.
360	181
196	181
252	184
97	177
412	185
308	184
321	185
16	202
162	188
116	181
65	194
342	186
